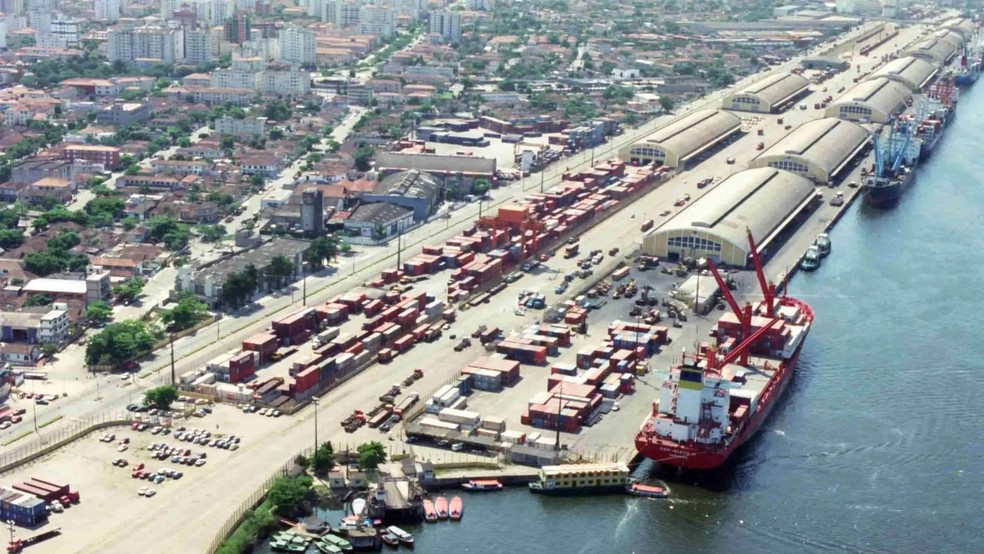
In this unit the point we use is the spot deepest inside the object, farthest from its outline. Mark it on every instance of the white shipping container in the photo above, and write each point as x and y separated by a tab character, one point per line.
533	437
460	416
344	360
497	424
373	340
434	308
460	404
441	392
206	389
435	423
206	379
432	407
363	358
544	443
190	376
515	437
450	397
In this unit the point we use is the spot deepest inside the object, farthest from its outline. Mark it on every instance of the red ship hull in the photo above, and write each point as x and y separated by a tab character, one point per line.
698	456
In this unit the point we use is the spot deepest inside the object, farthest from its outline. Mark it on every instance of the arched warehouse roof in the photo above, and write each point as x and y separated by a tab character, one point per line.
932	50
818	149
911	72
762	200
768	94
953	37
961	25
680	140
875	100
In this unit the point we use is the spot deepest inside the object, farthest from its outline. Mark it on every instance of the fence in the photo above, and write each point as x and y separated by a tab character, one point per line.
47	442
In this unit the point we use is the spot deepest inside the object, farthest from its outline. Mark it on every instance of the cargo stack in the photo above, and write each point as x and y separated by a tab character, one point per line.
22	508
297	327
523	351
564	406
264	344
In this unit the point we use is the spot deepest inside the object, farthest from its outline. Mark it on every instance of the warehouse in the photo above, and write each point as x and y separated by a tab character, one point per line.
680	141
961	25
911	72
770	95
932	50
872	101
765	201
817	150
954	38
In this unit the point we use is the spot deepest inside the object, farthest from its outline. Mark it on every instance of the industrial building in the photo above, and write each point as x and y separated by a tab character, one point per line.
461	171
871	101
933	50
312	212
681	140
414	189
817	150
954	38
772	94
914	73
764	201
964	26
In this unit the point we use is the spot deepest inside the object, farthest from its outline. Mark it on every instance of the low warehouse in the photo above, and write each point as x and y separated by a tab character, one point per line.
911	72
817	150
933	50
875	100
772	94
683	139
962	25
764	200
953	37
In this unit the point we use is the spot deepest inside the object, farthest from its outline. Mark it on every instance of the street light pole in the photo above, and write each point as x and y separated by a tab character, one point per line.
315	451
173	380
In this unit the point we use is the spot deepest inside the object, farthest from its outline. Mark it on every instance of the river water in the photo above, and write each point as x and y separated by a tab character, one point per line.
878	445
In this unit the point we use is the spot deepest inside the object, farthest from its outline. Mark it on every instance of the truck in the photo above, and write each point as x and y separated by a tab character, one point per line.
647	225
406	404
571	250
381	416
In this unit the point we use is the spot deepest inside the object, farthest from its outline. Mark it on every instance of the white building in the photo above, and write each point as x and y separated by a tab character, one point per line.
285	81
108	10
478	5
447	24
54	324
376	20
410	8
168	7
3	32
297	45
197	46
39	20
236	78
156	43
247	126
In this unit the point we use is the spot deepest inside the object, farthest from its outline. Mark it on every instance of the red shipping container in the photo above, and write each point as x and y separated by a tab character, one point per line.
355	349
403	343
373	308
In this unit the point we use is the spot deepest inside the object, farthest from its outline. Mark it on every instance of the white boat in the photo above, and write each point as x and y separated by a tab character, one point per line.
405	538
822	243
358	507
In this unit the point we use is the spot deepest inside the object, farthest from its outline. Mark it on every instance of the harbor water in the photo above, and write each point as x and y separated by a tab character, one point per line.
878	445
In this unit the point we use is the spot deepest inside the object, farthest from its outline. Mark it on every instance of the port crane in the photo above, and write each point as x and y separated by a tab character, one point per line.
890	153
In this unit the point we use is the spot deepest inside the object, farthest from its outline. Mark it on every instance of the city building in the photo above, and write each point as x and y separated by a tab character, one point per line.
206	281
682	140
446	24
312	212
107	156
379	221
454	171
32	170
255	126
121	114
297	45
762	201
108	10
41	325
377	20
67	32
157	44
197	46
818	150
284	80
413	189
237	27
89	287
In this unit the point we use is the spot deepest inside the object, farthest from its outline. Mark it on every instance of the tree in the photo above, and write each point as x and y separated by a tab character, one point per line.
49	350
371	455
257	181
288	495
11	238
276	110
324	459
276	134
363	157
279	271
321	249
211	233
188	312
130	289
161	397
40	299
118	343
227	142
666	103
98	312
302	461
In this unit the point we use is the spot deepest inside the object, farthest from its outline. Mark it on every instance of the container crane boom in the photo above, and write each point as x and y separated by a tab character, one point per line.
768	289
741	351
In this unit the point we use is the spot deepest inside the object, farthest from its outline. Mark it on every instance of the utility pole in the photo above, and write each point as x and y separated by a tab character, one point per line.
560	402
399	250
173	380
315	451
542	173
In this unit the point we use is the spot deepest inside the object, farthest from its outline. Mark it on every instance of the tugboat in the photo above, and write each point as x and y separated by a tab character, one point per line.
822	243
811	259
647	491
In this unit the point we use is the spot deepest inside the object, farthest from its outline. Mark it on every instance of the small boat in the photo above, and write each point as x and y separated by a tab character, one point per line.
822	243
646	490
811	259
441	505
390	539
288	541
482	485
456	509
403	536
430	514
358	506
327	548
336	541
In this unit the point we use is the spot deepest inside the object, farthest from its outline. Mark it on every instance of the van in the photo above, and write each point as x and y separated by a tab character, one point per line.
457	447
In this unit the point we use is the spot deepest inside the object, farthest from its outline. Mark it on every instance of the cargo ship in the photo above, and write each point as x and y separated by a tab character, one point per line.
896	158
934	113
717	399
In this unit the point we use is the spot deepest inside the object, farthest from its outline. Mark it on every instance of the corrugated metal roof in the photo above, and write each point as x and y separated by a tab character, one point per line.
692	132
879	95
825	143
912	71
776	88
